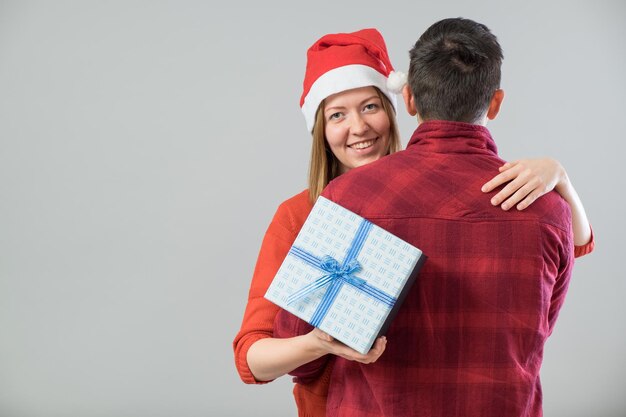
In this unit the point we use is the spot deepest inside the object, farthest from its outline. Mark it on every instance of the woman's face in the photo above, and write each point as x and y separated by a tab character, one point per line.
357	127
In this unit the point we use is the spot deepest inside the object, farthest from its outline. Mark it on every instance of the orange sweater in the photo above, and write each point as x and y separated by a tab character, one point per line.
258	320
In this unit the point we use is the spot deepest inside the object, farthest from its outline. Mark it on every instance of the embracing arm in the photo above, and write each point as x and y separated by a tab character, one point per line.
529	179
270	358
580	223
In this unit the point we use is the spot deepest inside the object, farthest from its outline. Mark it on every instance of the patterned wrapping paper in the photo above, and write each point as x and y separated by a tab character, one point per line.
345	275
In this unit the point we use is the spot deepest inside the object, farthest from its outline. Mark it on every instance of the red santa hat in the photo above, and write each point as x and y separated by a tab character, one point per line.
343	61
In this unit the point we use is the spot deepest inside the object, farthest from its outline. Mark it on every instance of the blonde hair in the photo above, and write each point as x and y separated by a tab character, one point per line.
324	165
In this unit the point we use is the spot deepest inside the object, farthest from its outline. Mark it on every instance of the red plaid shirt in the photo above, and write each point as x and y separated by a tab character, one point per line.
469	339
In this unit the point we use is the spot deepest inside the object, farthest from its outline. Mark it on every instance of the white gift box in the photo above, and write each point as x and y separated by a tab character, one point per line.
345	275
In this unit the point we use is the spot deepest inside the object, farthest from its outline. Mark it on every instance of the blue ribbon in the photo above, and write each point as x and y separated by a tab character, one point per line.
338	275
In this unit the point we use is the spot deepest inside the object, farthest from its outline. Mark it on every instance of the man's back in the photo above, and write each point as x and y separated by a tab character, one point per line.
469	338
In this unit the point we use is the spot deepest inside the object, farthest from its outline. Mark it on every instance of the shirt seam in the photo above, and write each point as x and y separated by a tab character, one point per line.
465	219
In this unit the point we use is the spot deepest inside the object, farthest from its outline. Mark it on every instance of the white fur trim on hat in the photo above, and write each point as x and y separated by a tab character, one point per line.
396	80
341	79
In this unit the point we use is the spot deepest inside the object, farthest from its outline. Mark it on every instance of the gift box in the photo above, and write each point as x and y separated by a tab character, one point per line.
345	275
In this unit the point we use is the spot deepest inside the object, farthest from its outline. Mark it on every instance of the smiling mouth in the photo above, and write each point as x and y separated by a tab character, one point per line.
363	145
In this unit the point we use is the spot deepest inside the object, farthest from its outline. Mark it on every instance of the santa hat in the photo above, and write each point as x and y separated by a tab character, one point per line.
343	61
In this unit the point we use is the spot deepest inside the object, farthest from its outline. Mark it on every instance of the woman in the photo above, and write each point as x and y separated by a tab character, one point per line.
349	109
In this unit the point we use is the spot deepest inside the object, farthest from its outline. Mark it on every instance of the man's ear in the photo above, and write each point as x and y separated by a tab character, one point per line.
494	105
409	100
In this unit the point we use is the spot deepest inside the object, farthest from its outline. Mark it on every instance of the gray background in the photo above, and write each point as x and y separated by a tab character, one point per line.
144	147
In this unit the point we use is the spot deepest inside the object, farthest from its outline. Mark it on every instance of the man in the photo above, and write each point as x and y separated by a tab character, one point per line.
469	338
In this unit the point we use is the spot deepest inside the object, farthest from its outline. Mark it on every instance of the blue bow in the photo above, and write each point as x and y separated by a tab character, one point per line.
335	272
337	276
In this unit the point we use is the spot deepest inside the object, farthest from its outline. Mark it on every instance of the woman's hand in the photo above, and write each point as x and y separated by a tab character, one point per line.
528	179
328	344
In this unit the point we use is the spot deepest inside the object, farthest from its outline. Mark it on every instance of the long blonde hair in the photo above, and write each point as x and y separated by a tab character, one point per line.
324	165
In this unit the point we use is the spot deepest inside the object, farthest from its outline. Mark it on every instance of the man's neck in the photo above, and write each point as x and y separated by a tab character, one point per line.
481	121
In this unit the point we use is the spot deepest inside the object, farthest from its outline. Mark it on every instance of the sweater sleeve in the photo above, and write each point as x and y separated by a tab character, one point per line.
258	320
585	249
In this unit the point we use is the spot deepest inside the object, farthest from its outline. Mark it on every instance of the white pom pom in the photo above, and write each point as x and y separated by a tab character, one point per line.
396	81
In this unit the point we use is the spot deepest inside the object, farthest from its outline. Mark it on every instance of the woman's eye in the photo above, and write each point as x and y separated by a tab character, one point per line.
334	116
370	107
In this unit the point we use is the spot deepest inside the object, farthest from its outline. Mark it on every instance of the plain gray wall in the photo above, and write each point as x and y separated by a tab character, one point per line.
144	147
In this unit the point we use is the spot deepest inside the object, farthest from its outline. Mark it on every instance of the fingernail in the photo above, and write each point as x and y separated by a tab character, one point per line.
484	188
494	201
505	206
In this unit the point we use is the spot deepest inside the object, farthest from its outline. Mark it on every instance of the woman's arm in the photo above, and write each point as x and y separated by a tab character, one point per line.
259	356
270	358
529	179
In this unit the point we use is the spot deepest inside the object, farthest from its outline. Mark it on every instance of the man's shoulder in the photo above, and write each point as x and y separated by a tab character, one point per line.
382	168
551	210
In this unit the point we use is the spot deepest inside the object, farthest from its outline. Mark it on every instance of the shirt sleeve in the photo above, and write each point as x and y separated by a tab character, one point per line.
585	249
558	248
258	320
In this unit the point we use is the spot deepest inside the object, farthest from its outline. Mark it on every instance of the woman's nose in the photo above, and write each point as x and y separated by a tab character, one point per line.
359	125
